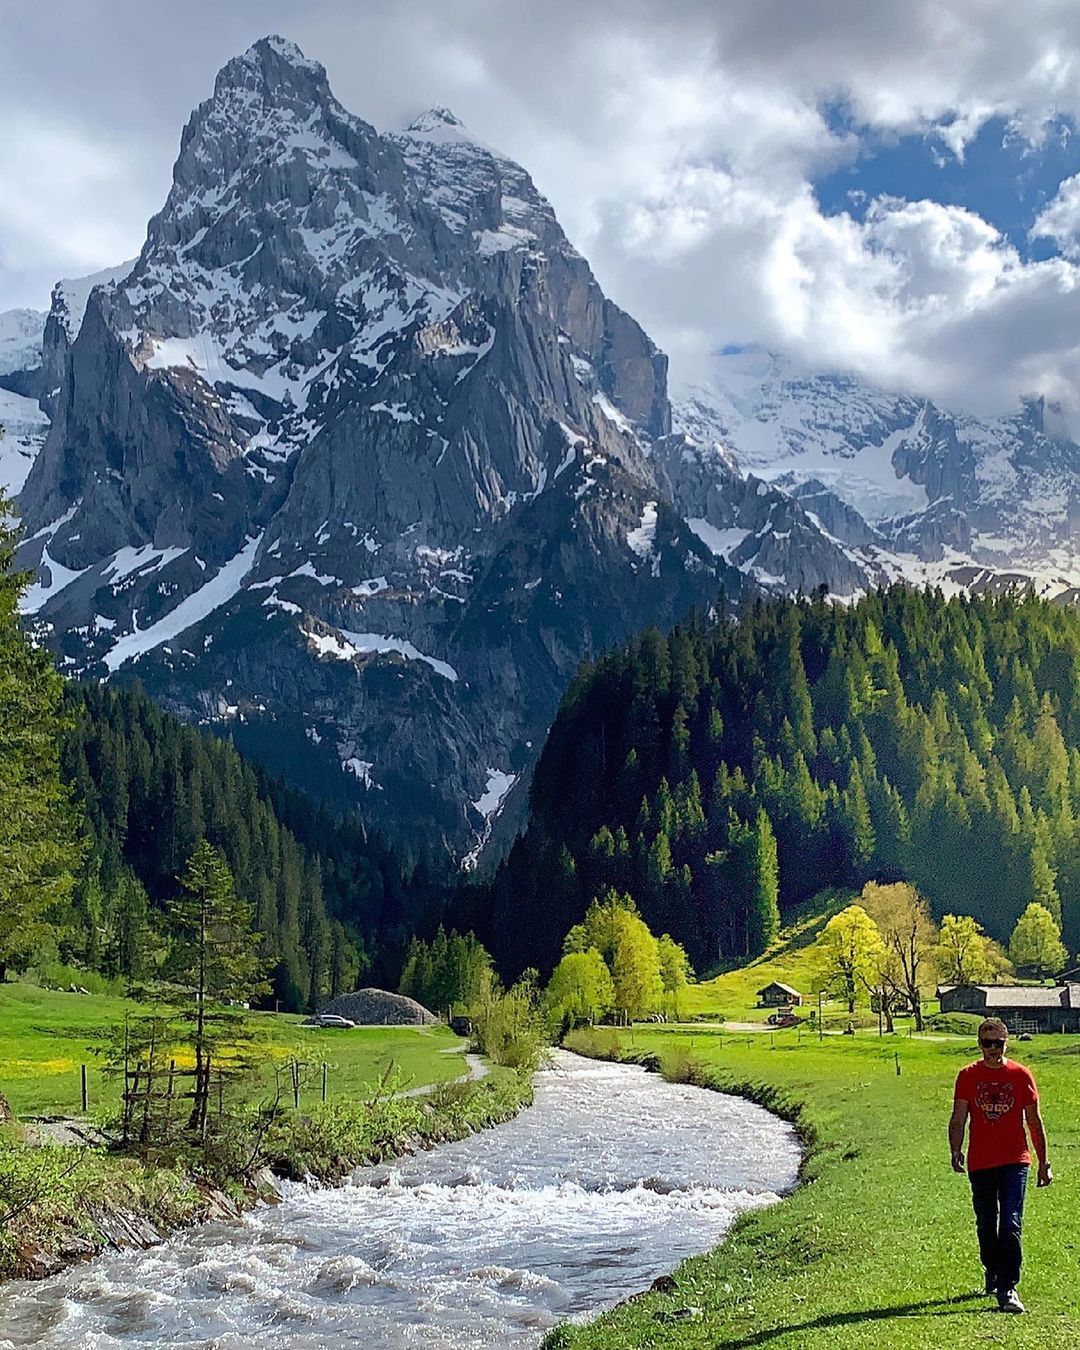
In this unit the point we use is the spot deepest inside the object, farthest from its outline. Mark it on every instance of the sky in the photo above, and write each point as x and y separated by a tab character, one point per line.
889	189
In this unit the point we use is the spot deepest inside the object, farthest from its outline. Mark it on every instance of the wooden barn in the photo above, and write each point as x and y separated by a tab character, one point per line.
1021	1007
777	995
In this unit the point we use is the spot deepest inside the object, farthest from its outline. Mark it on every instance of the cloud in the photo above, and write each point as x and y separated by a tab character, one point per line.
678	144
1060	218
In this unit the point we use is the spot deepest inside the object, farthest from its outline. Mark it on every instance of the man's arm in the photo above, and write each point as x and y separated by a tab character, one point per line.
1037	1130
957	1121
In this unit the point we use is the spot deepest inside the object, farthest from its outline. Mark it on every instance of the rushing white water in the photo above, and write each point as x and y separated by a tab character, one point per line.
610	1179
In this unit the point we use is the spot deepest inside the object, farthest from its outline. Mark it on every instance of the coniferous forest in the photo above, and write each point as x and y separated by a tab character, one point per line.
722	774
325	897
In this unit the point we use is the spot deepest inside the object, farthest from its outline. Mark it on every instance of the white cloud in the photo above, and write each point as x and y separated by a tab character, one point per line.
677	143
1060	219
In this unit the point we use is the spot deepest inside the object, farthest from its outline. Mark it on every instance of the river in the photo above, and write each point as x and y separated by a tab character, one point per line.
609	1180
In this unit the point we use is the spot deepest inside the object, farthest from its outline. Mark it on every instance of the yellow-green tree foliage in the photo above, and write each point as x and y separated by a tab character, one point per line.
581	989
910	935
850	954
1036	942
675	973
965	955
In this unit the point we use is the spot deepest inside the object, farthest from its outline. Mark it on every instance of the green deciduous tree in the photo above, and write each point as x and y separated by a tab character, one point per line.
850	953
1036	942
580	990
676	972
965	955
909	934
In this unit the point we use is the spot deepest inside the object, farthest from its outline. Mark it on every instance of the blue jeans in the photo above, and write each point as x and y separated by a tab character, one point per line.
997	1194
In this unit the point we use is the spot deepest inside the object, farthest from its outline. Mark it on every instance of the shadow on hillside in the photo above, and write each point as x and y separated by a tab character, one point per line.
942	1307
802	928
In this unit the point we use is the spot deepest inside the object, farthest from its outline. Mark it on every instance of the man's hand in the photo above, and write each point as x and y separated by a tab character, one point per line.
1046	1177
958	1163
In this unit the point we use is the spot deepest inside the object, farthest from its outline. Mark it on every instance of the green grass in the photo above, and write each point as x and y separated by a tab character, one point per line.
45	1036
877	1249
788	959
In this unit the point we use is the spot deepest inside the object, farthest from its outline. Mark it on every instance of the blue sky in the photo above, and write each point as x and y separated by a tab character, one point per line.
1001	176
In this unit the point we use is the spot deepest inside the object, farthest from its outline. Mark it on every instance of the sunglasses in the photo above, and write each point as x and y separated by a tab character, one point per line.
992	1044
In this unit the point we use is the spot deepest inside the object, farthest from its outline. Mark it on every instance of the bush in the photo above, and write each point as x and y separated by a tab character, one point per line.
595	1042
956	1023
509	1028
58	975
680	1066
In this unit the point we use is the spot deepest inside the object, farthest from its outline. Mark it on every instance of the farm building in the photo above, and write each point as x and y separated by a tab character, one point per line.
776	995
1021	1007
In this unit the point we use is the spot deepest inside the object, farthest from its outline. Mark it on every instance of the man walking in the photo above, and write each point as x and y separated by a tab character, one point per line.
997	1096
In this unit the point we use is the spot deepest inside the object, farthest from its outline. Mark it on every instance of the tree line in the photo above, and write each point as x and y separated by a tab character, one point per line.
887	946
105	799
725	772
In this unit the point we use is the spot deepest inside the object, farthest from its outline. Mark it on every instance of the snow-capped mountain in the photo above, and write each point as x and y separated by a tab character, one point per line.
20	339
23	422
356	456
357	459
941	489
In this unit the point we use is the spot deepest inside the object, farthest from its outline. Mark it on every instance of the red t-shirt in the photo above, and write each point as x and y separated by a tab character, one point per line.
996	1099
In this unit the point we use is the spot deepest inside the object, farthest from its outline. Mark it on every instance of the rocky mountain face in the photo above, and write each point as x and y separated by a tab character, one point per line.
356	457
357	461
907	489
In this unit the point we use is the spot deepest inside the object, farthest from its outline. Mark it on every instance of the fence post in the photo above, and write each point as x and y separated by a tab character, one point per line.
324	1080
295	1085
896	1056
85	1098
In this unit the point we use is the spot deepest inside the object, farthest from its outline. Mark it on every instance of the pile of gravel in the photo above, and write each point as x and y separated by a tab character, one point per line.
377	1008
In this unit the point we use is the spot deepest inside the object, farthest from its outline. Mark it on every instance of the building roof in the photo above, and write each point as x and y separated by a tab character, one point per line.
776	984
1029	996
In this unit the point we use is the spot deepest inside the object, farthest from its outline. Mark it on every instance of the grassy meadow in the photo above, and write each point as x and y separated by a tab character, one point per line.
877	1248
46	1035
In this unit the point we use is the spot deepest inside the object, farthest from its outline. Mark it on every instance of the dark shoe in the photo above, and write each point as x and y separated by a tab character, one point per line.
991	1285
1009	1301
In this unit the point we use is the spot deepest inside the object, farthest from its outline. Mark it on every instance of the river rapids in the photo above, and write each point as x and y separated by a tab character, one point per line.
608	1181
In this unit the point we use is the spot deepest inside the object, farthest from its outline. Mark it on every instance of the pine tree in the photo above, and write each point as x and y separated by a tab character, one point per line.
38	848
213	961
763	911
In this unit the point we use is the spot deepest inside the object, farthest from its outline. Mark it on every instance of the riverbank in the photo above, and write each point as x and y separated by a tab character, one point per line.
877	1247
91	1200
611	1178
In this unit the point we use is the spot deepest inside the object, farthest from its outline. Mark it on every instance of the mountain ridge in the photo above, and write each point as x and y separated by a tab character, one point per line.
356	451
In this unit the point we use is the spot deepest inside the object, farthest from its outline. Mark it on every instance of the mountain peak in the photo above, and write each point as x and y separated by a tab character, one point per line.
437	118
273	62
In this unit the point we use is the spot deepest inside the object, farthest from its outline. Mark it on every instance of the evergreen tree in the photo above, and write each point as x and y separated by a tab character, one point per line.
38	850
763	911
212	960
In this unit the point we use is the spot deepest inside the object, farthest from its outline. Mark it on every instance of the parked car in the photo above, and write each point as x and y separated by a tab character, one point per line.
782	1019
333	1020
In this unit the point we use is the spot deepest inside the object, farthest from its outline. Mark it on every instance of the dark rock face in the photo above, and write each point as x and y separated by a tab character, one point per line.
758	528
356	457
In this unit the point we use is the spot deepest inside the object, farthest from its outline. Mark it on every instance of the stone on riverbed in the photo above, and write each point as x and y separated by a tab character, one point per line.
378	1008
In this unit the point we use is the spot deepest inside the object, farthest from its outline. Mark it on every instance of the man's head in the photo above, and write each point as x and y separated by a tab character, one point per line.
993	1038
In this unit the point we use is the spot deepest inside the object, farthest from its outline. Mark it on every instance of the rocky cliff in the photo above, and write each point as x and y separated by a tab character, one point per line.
356	457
